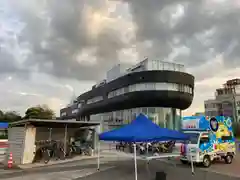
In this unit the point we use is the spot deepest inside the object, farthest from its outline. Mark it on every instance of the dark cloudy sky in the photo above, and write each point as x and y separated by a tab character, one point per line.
52	48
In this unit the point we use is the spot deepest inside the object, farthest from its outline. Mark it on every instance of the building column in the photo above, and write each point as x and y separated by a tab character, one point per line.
174	118
96	132
88	118
94	136
235	116
180	120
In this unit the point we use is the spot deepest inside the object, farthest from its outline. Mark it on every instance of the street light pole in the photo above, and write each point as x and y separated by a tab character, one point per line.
234	107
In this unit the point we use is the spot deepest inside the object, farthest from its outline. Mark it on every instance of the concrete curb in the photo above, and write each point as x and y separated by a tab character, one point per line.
5	167
21	169
33	166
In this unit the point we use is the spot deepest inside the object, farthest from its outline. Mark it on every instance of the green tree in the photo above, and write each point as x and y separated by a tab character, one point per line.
39	112
11	116
1	115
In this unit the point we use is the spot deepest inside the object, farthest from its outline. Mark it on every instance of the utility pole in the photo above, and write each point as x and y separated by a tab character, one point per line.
234	107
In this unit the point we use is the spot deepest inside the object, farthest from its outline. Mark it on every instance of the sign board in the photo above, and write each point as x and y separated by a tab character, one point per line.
190	124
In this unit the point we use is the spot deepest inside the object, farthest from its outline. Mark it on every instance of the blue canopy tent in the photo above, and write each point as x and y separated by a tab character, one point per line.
141	129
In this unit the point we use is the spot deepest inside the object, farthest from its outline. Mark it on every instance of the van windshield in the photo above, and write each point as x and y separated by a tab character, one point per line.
193	137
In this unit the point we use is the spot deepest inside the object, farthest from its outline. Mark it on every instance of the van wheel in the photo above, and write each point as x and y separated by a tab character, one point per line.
206	161
183	161
228	159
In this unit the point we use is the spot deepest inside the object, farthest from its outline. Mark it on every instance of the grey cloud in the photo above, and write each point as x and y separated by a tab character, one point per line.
196	20
9	66
57	32
64	31
43	89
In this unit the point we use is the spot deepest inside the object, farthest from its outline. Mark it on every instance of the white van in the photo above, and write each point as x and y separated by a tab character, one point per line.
210	139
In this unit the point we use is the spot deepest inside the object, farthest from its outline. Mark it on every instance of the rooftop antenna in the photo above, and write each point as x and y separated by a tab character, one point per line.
73	99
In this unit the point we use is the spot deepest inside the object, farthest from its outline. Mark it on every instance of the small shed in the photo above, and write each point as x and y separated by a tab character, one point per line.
23	135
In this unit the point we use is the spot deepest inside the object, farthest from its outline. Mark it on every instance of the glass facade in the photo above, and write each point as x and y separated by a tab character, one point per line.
95	99
160	65
145	65
151	87
164	117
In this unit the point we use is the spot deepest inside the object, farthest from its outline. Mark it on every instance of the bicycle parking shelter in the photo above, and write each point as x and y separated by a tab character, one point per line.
23	135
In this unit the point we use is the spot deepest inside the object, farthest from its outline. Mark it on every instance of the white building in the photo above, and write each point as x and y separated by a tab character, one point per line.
226	102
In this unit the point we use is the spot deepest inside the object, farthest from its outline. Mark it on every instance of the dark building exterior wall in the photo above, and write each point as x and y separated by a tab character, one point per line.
69	112
179	99
170	89
140	77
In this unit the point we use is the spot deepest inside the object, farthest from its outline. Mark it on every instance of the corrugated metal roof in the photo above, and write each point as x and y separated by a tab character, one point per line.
54	123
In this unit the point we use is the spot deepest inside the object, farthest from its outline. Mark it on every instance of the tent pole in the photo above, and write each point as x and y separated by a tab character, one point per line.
98	158
50	134
135	160
192	163
65	140
147	148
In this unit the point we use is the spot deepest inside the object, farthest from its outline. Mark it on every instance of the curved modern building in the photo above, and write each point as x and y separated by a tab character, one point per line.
158	89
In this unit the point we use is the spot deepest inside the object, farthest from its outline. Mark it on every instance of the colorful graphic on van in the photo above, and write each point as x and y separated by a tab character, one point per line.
214	124
205	123
218	135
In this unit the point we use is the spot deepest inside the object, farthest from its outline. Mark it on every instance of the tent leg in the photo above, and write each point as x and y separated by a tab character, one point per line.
98	156
50	134
65	140
135	160
192	167
147	149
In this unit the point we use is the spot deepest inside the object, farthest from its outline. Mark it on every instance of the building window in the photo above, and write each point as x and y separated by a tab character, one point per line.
119	92
126	89
181	88
191	90
111	94
172	87
95	99
140	87
132	88
151	110
238	103
151	87
75	111
164	117
63	114
161	86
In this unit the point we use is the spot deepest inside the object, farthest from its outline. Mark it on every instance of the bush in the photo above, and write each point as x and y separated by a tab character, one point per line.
3	136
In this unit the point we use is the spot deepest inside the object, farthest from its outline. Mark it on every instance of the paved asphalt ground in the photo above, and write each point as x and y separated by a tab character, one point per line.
66	171
119	169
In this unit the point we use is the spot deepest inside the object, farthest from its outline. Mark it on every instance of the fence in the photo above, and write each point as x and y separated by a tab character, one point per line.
3	149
